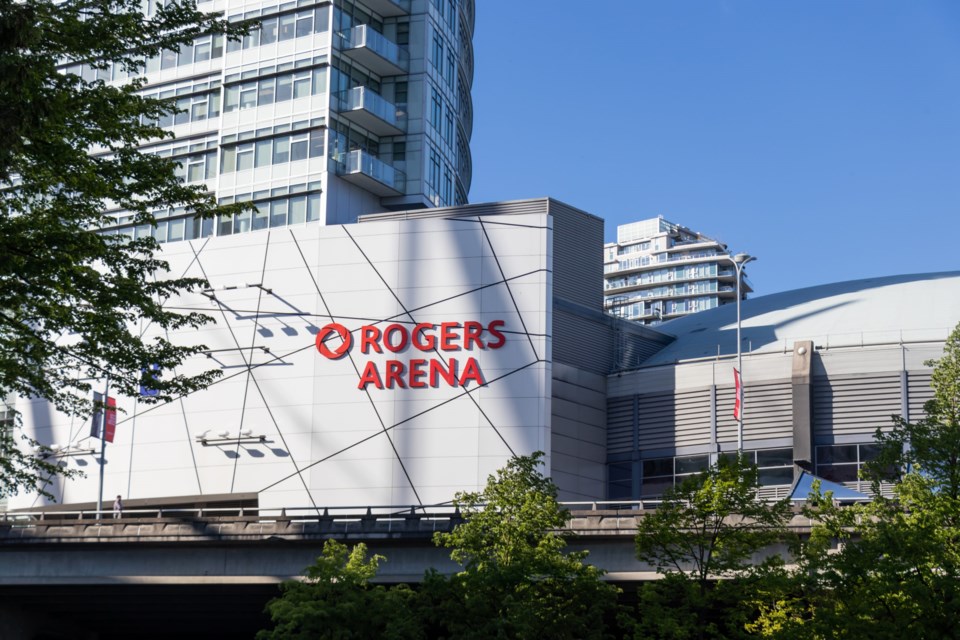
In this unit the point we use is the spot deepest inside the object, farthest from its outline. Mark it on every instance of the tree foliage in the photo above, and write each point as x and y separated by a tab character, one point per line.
888	569
704	537
336	601
69	157
517	580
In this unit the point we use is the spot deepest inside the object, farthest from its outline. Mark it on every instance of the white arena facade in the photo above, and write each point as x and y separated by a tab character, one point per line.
396	361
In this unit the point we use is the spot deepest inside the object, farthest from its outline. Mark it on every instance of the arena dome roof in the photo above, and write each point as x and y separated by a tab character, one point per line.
892	309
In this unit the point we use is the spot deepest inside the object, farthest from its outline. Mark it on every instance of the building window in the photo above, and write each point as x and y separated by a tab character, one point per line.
437	55
620	481
842	463
264	91
436	111
270	151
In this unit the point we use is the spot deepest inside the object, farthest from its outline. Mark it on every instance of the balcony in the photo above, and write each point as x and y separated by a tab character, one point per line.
366	46
366	108
368	172
389	8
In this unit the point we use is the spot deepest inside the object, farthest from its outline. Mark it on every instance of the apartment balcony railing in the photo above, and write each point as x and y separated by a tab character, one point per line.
368	109
369	47
371	173
389	8
660	258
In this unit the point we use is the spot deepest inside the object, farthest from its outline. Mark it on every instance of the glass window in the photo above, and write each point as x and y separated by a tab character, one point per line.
658	467
168	59
186	54
304	24
837	454
298	210
210	162
319	80
202	49
782	475
298	147
281	150
774	457
241	222
245	157
226	226
284	88
313	208
838	473
268	31
260	217
265	91
321	20
228	159
198	110
248	95
692	464
278	213
287	26
175	230
214	110
620	481
301	84
153	64
231	100
316	143
264	153
217	46
195	168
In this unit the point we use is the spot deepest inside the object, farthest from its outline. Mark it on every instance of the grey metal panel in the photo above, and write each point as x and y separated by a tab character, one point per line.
584	342
620	424
515	207
846	405
919	392
577	255
767	411
668	420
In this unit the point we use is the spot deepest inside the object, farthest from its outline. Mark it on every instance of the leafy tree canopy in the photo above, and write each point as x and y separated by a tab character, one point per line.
518	581
69	157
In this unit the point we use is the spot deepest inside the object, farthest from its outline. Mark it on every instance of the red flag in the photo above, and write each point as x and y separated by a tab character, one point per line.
110	419
738	402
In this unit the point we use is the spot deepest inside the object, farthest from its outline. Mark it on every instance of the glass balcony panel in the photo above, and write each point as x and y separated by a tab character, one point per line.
371	49
371	173
368	109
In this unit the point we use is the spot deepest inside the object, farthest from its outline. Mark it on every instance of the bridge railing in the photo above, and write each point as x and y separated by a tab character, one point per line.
350	512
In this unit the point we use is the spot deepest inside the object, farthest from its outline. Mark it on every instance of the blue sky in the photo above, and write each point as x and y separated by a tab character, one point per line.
822	136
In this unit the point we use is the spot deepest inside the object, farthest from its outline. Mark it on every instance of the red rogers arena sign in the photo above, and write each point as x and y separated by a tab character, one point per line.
427	338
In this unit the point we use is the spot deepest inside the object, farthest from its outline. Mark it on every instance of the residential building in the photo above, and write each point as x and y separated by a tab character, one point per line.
330	110
658	270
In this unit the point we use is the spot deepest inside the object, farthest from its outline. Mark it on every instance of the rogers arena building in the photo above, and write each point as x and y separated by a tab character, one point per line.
404	358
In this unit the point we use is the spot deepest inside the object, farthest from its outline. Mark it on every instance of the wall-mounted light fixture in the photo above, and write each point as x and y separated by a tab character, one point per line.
63	451
225	436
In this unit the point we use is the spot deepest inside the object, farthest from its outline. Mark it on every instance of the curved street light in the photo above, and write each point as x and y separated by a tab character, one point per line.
739	261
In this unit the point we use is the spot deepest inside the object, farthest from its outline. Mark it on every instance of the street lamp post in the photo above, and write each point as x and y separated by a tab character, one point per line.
739	261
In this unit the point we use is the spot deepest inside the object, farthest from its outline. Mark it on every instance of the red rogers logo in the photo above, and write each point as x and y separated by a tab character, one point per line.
425	337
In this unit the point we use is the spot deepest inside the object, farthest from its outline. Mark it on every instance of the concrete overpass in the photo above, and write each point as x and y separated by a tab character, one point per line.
209	572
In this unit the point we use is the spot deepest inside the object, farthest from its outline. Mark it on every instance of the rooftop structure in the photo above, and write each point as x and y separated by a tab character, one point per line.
658	270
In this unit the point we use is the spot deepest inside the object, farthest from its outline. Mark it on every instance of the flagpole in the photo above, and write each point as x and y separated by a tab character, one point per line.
739	261
103	447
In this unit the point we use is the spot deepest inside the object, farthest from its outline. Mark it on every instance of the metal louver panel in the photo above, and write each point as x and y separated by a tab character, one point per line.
668	420
918	392
767	412
854	405
620	425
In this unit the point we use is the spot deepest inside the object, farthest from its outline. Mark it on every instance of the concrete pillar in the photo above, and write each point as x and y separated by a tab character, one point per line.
801	380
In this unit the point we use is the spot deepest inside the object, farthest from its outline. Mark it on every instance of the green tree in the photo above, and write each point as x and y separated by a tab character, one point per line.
896	570
69	155
703	538
517	580
336	601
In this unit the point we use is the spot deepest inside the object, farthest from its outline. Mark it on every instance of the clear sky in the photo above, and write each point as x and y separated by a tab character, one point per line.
822	136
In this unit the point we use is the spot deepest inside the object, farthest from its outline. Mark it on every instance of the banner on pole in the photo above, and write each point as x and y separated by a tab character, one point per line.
110	419
738	401
97	420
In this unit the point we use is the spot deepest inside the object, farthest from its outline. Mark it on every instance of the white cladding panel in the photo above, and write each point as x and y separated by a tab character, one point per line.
329	443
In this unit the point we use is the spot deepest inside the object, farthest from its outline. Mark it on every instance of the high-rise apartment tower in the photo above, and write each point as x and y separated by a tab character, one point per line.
658	270
328	111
